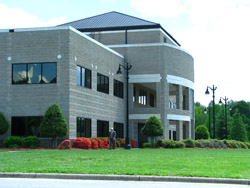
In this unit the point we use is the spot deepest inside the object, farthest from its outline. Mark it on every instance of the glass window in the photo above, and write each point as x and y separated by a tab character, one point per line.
19	75
143	97
118	127
83	77
26	126
34	73
118	88
49	72
83	127
152	100
78	75
102	83
102	128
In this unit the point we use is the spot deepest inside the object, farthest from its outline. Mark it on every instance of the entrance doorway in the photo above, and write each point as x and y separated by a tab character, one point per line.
141	138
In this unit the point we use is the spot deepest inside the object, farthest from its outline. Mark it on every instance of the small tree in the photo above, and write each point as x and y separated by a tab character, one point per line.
4	124
201	132
153	128
54	124
238	130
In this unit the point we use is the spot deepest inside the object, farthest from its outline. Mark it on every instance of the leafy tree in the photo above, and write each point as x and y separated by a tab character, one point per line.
4	124
153	128
54	124
238	130
201	132
200	116
244	110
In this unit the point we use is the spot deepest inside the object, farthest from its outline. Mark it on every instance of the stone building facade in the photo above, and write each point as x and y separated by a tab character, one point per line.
76	69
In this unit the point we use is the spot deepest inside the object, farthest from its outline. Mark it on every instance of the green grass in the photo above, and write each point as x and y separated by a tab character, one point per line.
160	162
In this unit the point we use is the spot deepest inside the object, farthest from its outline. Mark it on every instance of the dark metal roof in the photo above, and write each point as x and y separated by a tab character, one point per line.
113	21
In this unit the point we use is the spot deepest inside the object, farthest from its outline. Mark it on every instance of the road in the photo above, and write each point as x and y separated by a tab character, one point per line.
60	183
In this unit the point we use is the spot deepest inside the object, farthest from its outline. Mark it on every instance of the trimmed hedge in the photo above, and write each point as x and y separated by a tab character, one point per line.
13	142
31	142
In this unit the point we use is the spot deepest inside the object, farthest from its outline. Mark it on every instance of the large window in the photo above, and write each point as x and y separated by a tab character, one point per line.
118	127
34	73
83	127
102	83
102	128
26	126
142	97
118	88
83	77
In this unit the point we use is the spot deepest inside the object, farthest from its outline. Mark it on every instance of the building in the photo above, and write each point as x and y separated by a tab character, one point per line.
74	65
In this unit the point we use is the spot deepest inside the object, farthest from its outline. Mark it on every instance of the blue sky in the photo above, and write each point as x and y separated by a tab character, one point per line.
215	32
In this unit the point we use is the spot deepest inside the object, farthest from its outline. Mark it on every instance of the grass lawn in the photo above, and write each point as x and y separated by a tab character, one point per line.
161	162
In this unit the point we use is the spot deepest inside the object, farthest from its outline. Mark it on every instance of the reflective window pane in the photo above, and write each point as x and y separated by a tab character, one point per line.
19	74
78	75
34	73
49	72
83	77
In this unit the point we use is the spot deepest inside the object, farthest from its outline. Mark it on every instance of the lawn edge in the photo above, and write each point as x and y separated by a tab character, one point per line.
126	178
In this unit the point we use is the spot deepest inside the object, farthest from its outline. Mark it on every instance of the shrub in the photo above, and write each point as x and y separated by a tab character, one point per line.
206	144
31	142
198	144
83	143
94	144
159	143
147	145
13	141
152	128
121	142
247	144
201	132
54	124
65	144
189	143
179	144
133	143
4	124
168	143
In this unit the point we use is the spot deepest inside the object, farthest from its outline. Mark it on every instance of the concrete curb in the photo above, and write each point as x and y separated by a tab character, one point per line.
126	178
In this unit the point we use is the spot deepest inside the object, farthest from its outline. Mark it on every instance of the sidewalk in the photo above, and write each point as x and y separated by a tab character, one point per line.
127	178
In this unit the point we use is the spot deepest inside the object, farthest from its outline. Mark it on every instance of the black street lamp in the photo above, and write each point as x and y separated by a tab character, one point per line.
207	93
209	122
225	102
119	71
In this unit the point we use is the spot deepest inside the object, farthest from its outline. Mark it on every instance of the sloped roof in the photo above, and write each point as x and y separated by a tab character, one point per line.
113	21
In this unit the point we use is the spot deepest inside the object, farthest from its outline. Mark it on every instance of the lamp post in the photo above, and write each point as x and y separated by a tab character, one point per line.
119	71
209	122
225	102
207	93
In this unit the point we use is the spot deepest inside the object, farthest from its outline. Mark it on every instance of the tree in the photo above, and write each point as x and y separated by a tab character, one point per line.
200	116
153	128
4	124
54	124
238	130
201	132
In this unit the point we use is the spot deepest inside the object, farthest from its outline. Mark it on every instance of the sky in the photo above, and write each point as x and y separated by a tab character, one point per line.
215	32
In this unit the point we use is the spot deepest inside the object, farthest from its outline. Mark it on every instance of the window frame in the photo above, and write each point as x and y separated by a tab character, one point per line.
103	86
86	84
83	127
27	77
118	89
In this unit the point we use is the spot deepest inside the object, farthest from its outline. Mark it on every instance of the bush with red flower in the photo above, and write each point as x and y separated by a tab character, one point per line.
65	144
133	143
83	143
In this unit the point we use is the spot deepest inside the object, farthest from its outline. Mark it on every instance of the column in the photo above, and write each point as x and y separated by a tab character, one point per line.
179	97
179	130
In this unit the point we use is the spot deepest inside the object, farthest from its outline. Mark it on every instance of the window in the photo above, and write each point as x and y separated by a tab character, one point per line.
102	83
83	77
143	97
34	73
165	39
102	128
152	100
118	88
134	95
169	134
26	126
83	127
118	127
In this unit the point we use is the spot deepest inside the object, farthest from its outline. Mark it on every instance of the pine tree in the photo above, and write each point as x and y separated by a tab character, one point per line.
54	124
4	124
238	130
153	128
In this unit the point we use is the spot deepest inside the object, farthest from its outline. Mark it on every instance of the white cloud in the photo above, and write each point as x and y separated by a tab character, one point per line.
17	18
218	37
158	8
